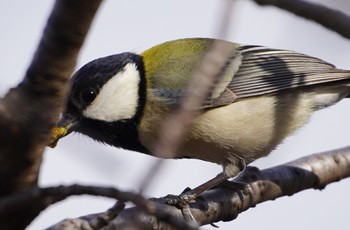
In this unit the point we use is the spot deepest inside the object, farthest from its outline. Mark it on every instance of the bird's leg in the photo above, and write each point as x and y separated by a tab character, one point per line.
183	200
230	170
191	195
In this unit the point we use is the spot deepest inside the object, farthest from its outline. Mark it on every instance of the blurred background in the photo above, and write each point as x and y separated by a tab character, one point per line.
136	25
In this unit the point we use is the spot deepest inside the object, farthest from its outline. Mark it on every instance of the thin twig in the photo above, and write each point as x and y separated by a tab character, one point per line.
52	195
334	20
207	73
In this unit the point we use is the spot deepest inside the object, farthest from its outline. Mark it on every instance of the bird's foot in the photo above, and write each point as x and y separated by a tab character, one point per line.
189	196
186	197
183	202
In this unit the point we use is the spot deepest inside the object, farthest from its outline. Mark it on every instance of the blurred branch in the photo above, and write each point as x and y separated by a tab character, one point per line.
209	71
334	20
28	111
52	195
223	204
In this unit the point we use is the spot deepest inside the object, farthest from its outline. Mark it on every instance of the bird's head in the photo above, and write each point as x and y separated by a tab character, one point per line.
105	101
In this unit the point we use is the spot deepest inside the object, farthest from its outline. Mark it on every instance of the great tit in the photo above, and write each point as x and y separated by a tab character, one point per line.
263	96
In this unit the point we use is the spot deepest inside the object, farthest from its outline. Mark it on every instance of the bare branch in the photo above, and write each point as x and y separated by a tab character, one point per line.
334	20
224	204
28	111
52	195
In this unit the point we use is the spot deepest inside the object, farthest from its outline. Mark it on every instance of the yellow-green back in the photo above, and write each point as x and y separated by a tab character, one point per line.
171	63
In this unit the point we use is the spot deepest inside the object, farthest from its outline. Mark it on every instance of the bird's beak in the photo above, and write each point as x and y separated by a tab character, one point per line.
64	126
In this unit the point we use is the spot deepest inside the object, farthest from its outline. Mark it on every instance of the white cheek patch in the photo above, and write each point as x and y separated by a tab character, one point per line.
118	98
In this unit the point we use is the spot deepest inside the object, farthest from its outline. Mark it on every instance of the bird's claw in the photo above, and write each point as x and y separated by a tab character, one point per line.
179	201
182	202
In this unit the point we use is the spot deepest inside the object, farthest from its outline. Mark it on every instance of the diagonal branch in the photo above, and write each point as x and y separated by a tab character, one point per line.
28	111
222	204
334	20
219	204
208	71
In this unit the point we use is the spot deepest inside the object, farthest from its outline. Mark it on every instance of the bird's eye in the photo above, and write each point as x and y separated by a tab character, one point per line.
88	95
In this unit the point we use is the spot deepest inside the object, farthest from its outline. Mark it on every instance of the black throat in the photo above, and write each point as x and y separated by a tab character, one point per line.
122	134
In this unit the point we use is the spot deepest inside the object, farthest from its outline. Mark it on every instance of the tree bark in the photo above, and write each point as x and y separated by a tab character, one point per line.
333	20
29	111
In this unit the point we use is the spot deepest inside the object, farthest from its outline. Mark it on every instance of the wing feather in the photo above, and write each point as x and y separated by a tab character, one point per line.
252	71
265	71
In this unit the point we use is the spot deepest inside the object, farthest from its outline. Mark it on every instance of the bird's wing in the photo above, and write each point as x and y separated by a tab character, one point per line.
170	75
219	94
252	71
264	71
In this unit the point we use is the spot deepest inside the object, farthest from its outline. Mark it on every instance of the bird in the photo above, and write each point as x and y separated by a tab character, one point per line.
263	96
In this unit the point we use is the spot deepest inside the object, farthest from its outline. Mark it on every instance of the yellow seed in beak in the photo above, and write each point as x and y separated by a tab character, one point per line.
56	134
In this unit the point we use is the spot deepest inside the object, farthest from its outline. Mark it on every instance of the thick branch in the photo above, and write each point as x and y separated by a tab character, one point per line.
334	20
222	204
28	111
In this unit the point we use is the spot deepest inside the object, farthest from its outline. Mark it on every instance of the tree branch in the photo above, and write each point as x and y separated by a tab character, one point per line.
334	20
223	204
28	112
52	195
219	204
